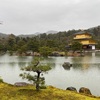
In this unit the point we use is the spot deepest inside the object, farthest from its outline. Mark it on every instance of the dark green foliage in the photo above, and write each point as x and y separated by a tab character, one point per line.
33	44
11	42
1	80
2	47
98	44
76	46
45	51
22	49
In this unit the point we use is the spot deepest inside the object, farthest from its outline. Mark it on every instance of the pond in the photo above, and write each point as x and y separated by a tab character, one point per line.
85	71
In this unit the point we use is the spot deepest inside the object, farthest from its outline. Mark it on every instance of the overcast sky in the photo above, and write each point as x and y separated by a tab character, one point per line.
31	16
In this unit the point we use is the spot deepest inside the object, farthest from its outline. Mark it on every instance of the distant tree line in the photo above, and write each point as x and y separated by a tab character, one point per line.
43	42
46	42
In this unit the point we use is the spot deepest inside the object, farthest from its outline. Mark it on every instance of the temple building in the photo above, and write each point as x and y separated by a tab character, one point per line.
85	39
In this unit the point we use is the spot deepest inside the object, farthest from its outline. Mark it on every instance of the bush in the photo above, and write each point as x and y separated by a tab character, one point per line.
43	87
1	80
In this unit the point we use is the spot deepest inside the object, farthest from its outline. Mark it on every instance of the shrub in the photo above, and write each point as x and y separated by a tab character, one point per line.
1	80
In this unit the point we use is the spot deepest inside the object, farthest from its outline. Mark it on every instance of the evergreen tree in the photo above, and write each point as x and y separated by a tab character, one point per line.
38	68
76	46
45	51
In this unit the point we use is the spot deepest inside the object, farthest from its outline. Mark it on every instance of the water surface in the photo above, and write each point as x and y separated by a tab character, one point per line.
85	71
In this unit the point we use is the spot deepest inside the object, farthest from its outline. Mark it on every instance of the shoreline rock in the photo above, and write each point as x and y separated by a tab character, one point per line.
85	91
20	84
72	89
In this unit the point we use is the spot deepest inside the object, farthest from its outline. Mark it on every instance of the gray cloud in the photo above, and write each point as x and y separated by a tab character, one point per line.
30	16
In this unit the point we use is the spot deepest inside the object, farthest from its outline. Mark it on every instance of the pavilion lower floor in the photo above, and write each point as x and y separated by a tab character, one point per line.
89	47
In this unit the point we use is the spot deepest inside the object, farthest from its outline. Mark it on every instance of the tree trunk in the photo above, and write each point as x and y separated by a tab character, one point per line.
37	83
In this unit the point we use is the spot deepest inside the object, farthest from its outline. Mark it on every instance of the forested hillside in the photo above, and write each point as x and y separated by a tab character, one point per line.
50	42
95	31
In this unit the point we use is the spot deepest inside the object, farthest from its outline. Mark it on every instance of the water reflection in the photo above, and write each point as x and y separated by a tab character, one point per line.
80	66
22	64
24	58
84	63
66	68
12	64
50	61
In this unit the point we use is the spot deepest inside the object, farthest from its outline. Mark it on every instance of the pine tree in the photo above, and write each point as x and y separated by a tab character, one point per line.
38	68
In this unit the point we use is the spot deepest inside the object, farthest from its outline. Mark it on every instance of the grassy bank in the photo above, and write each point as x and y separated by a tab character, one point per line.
10	92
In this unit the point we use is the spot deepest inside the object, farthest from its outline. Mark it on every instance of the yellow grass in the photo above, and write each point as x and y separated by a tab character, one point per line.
10	92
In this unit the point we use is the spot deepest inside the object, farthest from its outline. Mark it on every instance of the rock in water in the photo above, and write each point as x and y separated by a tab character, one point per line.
66	65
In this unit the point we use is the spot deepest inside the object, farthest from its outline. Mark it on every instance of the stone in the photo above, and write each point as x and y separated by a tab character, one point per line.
20	84
66	65
71	89
85	91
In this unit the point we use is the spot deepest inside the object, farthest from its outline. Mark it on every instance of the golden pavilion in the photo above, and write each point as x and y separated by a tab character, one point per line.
85	38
